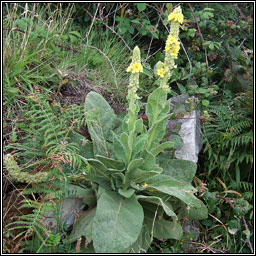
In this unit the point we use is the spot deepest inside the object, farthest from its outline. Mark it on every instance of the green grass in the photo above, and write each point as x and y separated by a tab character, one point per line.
42	51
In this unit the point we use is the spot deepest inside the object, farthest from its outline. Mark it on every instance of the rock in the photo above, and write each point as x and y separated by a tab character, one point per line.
191	229
68	209
189	130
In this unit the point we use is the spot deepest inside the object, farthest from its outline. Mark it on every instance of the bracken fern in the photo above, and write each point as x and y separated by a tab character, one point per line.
229	141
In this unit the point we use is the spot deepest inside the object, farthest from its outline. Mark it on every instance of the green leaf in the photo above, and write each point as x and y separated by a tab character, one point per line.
16	72
181	88
117	224
101	121
88	195
131	30
155	35
142	243
157	132
134	164
182	170
140	175
187	76
205	103
98	167
209	9
202	90
176	139
211	46
139	144
111	163
85	146
13	91
149	160
158	149
143	32
122	29
14	136
158	200
181	190
147	72
199	212
73	40
102	181
141	6
157	111
41	31
22	25
139	126
136	21
82	227
191	32
119	179
156	107
164	229
75	33
124	141
118	148
33	35
126	193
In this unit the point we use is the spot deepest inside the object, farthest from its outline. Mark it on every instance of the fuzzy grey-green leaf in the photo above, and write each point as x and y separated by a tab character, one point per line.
83	227
182	170
117	224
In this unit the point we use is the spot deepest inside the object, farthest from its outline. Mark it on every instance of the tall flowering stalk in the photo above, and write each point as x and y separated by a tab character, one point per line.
135	68
172	47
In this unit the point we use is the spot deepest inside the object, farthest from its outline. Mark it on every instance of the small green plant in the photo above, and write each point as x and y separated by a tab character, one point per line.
231	218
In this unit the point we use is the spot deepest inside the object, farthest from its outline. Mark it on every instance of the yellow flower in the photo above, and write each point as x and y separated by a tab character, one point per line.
172	44
161	72
144	185
174	51
178	17
135	68
171	40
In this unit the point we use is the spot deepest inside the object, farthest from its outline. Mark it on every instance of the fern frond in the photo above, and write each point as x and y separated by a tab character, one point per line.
248	195
247	186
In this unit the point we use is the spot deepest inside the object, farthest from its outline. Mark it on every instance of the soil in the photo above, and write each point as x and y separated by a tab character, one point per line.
75	93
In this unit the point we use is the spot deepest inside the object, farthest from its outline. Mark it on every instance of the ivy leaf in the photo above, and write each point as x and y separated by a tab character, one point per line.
141	6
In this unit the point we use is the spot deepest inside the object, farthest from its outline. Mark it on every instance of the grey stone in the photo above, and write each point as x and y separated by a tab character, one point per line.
190	130
190	226
69	207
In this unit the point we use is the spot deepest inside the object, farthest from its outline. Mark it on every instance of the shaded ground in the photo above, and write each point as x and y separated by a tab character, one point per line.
71	93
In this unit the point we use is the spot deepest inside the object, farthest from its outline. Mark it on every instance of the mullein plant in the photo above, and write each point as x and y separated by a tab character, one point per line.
172	47
137	191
